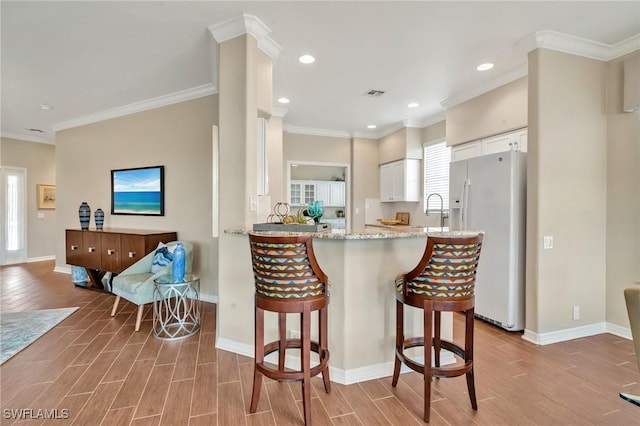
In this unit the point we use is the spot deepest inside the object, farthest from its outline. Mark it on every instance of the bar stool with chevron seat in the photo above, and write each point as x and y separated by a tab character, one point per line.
288	279
443	280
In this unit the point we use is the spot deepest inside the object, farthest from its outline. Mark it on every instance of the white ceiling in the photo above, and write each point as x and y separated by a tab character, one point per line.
85	58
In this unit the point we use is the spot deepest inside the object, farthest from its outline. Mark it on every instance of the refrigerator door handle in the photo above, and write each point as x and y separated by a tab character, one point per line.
465	204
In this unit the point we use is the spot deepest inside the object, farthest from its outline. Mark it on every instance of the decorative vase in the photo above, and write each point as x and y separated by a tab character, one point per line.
99	214
85	215
178	263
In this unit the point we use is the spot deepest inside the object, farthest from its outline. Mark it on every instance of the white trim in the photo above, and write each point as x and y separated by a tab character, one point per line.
574	45
564	335
41	258
278	111
315	132
499	81
433	119
246	24
160	101
28	138
63	269
343	377
618	330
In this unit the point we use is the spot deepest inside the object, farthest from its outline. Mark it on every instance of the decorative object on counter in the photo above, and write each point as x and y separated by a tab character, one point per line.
403	218
315	210
389	221
339	213
292	227
85	215
178	270
281	210
293	223
99	215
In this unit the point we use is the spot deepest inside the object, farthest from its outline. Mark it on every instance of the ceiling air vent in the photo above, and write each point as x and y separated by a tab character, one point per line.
373	93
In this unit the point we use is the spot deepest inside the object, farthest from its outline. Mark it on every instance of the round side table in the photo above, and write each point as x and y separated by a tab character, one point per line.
176	307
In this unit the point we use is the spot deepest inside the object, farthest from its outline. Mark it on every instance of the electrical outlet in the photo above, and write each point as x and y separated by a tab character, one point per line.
576	313
253	204
547	242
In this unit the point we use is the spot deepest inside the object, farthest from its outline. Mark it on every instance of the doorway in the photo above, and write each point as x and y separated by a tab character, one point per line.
321	181
13	211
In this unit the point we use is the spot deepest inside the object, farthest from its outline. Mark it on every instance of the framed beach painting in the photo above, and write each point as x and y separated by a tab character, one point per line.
46	196
138	191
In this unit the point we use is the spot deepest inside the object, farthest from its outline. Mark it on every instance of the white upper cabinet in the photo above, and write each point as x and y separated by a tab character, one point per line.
400	181
512	141
331	193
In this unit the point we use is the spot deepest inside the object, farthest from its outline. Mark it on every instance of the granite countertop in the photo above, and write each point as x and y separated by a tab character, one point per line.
369	233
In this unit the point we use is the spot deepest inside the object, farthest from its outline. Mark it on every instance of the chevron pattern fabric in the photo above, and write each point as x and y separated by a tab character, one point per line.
450	273
283	270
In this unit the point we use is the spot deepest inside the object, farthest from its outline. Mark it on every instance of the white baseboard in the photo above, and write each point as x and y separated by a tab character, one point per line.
576	333
41	258
344	377
211	298
63	269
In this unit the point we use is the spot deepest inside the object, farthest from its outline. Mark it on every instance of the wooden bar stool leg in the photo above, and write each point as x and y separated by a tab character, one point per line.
436	338
282	334
399	341
259	359
468	351
428	312
324	345
306	363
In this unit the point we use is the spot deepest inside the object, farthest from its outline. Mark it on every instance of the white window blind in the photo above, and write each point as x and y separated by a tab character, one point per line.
436	175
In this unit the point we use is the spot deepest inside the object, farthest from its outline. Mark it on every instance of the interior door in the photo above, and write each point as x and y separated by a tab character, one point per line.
13	215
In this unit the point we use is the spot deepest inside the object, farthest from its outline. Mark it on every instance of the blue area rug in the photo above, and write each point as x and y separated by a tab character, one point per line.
19	329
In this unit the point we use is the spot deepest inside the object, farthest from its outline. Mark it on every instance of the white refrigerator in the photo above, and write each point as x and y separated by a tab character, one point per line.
488	193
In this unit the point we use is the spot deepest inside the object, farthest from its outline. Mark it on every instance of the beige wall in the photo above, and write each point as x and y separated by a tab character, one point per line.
317	149
434	132
275	160
179	137
497	111
392	147
566	191
623	195
365	178
40	161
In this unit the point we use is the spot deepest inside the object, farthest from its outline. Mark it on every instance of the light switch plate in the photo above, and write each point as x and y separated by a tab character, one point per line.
548	242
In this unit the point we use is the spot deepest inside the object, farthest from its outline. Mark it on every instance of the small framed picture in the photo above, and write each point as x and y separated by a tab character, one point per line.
46	196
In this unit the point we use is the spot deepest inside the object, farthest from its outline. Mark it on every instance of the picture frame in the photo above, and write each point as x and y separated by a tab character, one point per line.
138	191
46	196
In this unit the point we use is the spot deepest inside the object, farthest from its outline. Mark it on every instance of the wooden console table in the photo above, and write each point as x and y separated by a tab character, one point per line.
111	250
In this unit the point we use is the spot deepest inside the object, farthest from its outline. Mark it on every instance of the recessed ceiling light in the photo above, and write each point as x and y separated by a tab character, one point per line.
45	107
484	67
413	105
307	59
283	100
371	126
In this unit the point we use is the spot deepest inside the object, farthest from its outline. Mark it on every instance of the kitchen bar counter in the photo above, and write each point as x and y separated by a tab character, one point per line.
371	232
361	266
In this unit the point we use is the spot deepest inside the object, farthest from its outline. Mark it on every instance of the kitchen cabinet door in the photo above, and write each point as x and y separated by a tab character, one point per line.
323	193
337	194
499	143
295	194
466	151
400	181
520	140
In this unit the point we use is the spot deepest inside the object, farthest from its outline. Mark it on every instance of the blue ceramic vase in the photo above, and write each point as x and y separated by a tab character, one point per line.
178	263
85	215
99	215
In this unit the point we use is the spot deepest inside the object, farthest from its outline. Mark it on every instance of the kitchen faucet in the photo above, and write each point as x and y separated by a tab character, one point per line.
442	216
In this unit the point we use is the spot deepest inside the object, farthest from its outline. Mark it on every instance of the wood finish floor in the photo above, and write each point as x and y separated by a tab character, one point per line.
103	372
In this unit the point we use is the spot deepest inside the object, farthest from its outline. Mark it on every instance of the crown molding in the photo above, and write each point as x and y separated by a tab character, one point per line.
28	138
315	132
566	43
433	119
246	24
160	101
504	78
